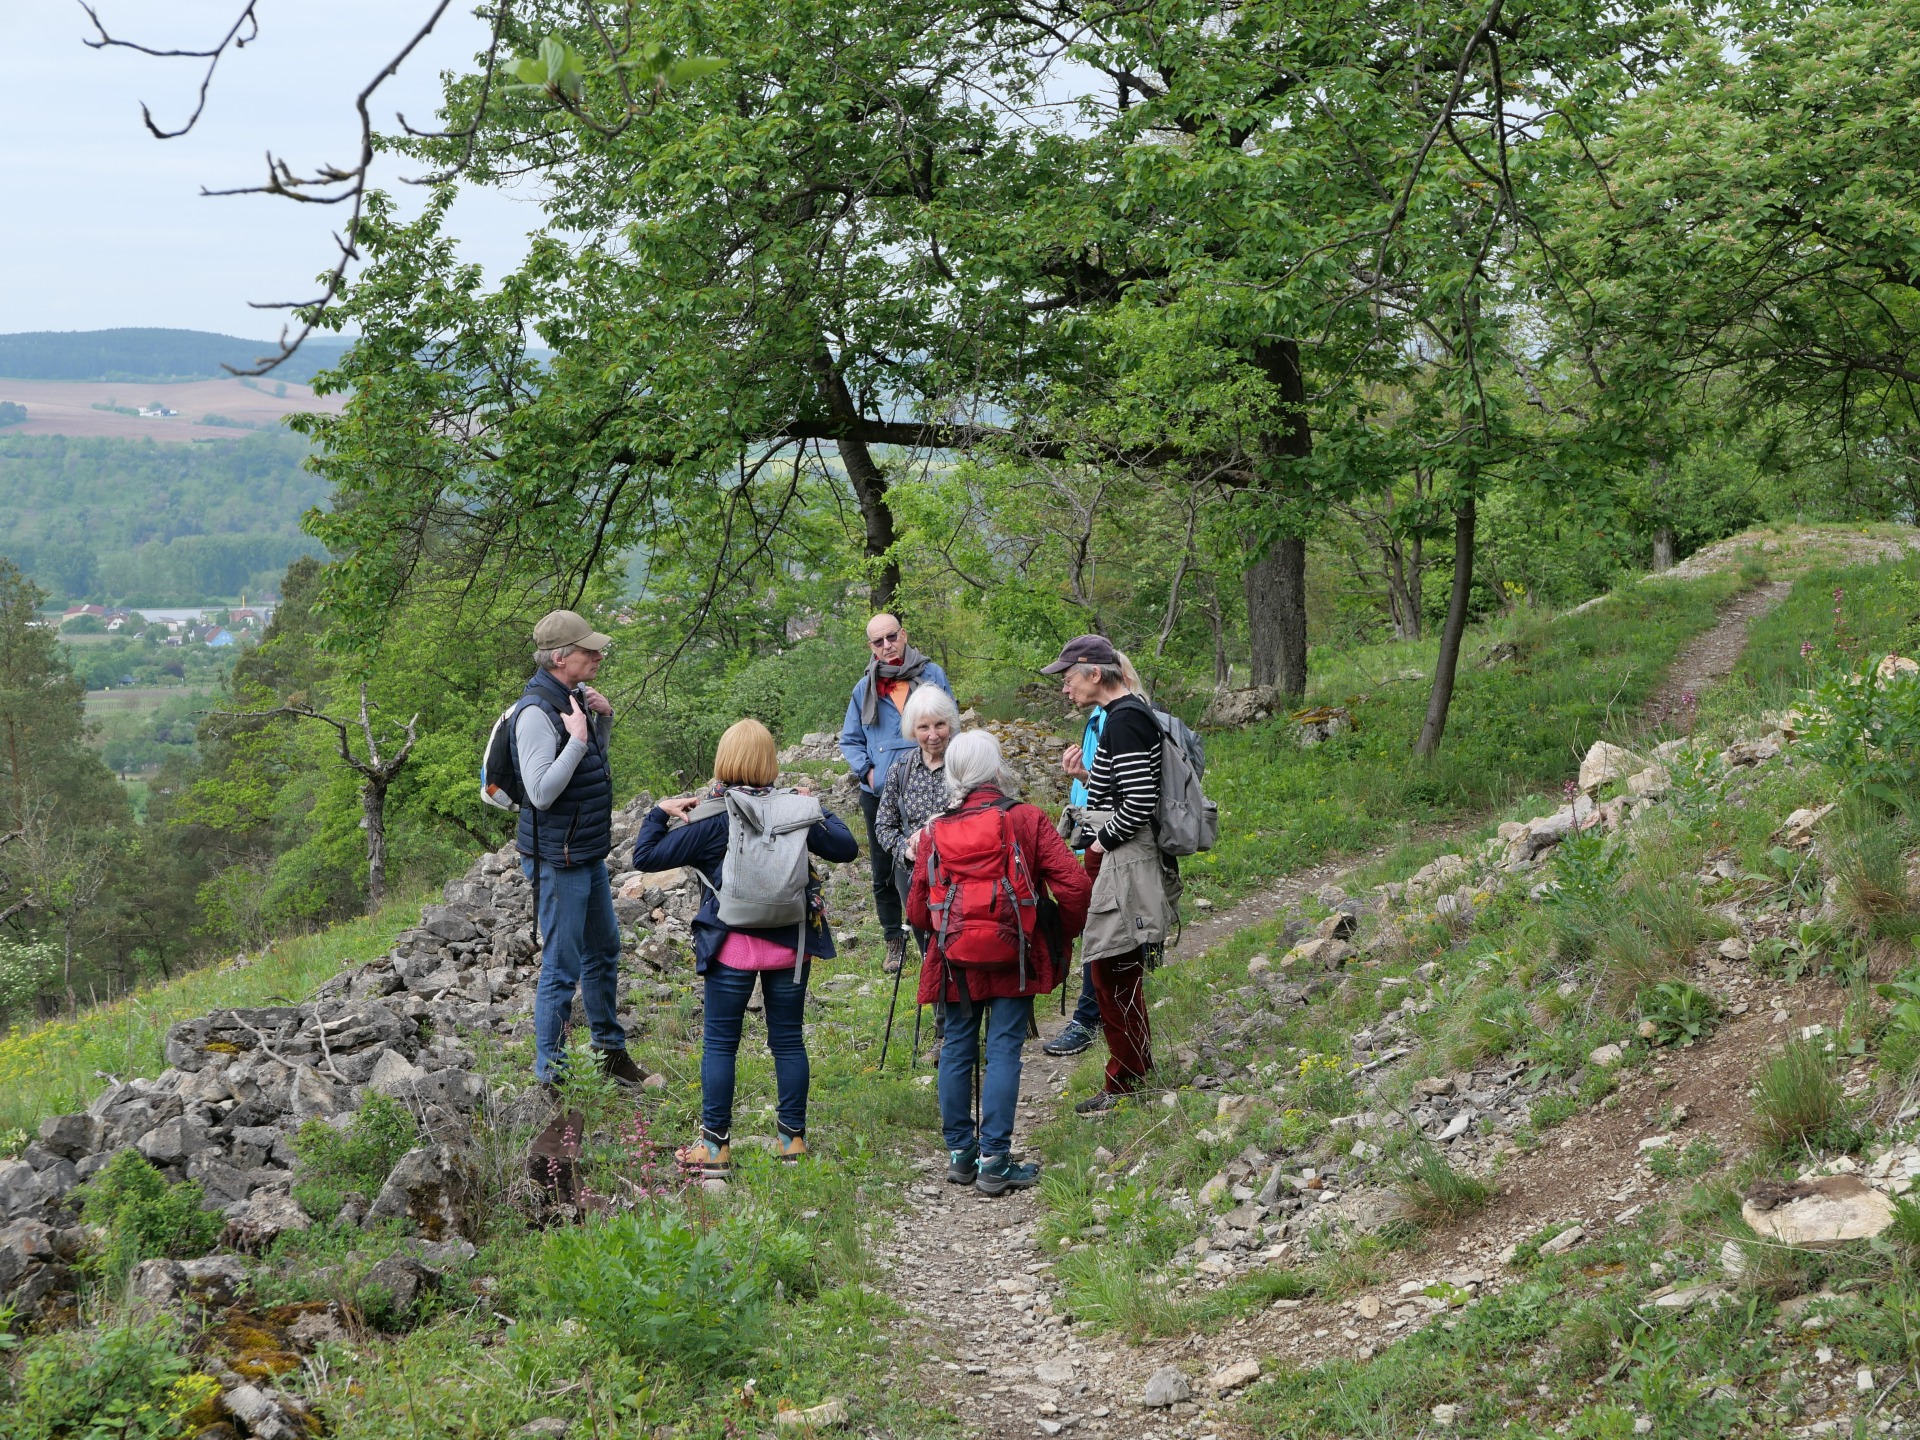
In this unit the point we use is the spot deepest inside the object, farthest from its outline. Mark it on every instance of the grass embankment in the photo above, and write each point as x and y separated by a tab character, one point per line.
55	1068
1573	1344
1517	726
1835	614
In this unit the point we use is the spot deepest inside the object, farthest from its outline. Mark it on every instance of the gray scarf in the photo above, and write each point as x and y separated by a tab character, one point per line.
912	662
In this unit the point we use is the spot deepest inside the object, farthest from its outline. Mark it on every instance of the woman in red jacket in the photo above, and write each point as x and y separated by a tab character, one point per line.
1004	898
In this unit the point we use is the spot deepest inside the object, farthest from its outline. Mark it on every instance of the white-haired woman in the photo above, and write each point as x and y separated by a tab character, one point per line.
916	789
1003	898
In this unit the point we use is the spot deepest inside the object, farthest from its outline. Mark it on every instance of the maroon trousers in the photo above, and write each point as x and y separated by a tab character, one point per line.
1120	988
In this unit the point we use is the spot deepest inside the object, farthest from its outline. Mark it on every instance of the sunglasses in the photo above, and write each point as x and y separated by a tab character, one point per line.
884	640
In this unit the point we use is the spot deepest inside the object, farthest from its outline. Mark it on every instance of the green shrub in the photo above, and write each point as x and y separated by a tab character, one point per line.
1866	732
142	1217
128	1382
1679	1011
1551	1110
1674	1162
655	1288
334	1163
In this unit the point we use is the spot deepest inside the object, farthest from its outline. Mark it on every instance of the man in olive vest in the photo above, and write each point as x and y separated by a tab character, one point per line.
566	829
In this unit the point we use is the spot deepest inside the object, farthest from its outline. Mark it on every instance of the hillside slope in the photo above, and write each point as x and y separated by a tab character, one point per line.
1302	1196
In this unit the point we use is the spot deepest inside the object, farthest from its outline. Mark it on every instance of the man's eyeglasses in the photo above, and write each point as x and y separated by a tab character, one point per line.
884	640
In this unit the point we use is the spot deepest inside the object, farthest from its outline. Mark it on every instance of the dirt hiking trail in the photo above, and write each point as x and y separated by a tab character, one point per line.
974	1279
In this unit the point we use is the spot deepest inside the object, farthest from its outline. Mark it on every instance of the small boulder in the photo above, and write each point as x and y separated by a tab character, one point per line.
403	1280
437	1188
1816	1214
255	1224
1564	1241
1166	1387
825	1416
1606	762
174	1141
547	1427
1606	1055
1233	1377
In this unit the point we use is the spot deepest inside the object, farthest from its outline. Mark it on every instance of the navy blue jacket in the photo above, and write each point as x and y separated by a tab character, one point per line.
577	829
703	845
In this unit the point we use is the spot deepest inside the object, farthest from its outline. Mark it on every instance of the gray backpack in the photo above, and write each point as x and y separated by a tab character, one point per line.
1186	821
764	879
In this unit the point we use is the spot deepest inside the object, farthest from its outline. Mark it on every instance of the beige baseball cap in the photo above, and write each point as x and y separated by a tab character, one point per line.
559	628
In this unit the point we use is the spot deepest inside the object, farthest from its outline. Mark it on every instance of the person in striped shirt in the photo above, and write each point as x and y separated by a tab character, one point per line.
1131	910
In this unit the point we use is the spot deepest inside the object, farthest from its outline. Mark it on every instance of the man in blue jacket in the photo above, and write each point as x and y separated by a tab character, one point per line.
870	741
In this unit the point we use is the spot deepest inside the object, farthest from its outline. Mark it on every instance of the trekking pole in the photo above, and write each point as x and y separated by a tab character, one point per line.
890	1004
912	1064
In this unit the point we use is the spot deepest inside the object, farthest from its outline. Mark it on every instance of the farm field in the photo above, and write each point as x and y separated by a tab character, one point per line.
62	407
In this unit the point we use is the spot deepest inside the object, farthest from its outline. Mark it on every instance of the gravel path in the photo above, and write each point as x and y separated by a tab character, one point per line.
979	1289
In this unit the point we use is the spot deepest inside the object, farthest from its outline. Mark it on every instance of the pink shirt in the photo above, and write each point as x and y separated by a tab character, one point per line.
749	952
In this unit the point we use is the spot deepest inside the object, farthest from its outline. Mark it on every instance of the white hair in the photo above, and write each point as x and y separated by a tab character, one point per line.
973	760
547	659
929	702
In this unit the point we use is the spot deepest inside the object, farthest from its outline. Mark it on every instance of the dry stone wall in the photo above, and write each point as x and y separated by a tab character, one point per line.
240	1082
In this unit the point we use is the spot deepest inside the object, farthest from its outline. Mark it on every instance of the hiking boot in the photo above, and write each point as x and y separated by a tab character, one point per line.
618	1065
963	1166
896	954
710	1157
790	1148
999	1175
1073	1039
1101	1102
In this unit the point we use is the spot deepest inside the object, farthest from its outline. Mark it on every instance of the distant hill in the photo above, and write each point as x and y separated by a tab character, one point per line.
152	356
133	521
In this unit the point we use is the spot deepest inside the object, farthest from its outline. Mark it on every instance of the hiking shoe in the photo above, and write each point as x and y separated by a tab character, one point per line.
790	1148
1072	1040
710	1157
1101	1102
896	954
963	1166
1000	1174
618	1065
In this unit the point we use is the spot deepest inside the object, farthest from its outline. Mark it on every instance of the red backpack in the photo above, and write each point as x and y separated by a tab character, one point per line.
981	893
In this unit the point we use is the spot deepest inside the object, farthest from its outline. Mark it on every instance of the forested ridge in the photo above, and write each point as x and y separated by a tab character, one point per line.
139	522
146	354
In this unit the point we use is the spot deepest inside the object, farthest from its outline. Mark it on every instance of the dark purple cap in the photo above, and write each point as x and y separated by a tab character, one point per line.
1084	650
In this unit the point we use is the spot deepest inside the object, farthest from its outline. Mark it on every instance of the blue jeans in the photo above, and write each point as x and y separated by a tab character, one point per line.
1006	1020
580	938
785	993
1086	1011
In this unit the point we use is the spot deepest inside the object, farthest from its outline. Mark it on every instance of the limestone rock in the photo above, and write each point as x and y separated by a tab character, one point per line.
257	1223
547	1427
824	1416
1230	709
1606	1055
1166	1387
1232	1377
175	1140
212	1281
1606	762
403	1280
1816	1214
1564	1241
437	1188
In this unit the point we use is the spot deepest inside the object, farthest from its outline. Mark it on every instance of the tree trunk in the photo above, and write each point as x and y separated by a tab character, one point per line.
870	488
869	485
1276	579
1662	549
373	800
1276	585
1441	696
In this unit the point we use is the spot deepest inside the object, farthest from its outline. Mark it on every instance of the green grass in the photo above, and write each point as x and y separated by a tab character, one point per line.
1878	613
55	1068
1515	729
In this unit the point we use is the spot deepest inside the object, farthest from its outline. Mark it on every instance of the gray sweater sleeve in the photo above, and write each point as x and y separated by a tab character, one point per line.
545	765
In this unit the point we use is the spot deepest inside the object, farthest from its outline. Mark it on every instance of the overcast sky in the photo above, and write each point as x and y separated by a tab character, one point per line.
104	225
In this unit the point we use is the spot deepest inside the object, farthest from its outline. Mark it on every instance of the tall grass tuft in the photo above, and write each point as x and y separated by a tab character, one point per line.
1798	1103
1433	1193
